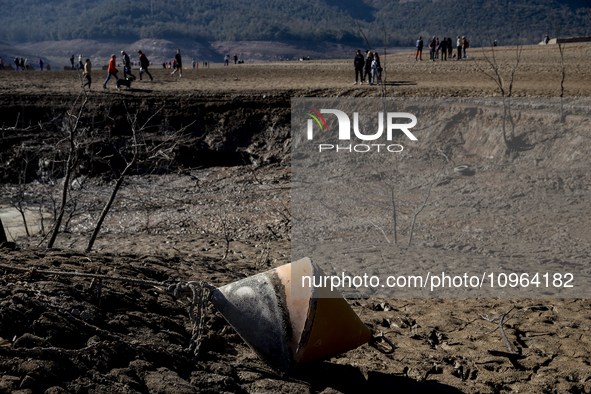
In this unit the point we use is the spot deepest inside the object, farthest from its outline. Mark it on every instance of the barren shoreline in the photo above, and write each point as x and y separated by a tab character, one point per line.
531	206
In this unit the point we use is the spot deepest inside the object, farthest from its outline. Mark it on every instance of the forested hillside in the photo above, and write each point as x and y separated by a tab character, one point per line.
310	20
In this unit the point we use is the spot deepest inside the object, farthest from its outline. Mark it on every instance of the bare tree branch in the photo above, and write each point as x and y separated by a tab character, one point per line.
72	124
144	152
364	37
505	87
562	67
412	226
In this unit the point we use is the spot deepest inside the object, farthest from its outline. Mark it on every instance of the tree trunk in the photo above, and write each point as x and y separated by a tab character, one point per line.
2	234
105	212
22	212
60	216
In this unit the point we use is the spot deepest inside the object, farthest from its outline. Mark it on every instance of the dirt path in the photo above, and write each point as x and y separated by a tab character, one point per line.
538	75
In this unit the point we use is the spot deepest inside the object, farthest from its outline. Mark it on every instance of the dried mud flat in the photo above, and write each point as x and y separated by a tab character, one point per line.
62	337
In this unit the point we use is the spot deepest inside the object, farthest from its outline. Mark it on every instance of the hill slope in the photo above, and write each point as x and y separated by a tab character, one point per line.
309	20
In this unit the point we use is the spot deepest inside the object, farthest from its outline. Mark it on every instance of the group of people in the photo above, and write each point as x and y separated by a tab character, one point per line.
112	69
21	63
127	75
443	48
79	65
227	59
367	67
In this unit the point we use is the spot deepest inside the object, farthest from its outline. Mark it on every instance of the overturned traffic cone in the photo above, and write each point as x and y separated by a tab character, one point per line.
287	323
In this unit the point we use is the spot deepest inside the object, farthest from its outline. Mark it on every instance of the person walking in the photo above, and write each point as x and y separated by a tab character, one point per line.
432	49
376	70
127	66
419	46
144	64
41	64
465	44
179	64
72	61
226	59
459	46
235	58
437	48
443	47
358	63
17	62
450	47
1	64
87	74
367	70
111	70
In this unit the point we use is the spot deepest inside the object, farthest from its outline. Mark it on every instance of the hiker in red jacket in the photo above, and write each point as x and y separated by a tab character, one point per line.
112	70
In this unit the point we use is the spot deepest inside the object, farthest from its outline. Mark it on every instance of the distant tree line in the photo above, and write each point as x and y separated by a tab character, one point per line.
302	20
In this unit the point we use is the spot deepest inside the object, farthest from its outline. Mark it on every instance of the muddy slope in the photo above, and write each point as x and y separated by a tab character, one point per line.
214	131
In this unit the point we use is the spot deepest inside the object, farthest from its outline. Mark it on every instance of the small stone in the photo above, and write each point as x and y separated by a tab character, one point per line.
85	315
28	340
93	340
27	382
164	381
8	383
56	390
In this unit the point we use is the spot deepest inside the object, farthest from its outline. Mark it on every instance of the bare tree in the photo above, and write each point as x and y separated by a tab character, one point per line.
72	124
142	152
20	193
414	218
76	207
41	216
225	229
494	71
149	205
386	175
562	69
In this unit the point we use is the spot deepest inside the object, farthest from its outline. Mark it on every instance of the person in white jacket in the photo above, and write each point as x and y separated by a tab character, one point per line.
376	70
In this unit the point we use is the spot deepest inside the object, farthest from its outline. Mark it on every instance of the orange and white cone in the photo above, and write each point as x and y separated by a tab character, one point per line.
286	325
